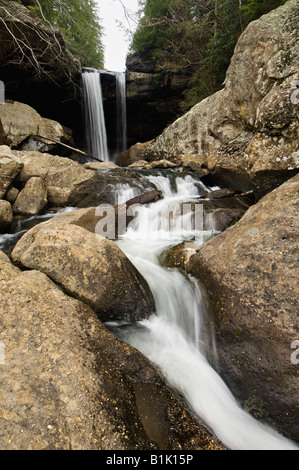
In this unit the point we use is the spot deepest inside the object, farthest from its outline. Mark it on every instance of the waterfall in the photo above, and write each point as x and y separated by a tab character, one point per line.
96	135
177	337
124	192
121	106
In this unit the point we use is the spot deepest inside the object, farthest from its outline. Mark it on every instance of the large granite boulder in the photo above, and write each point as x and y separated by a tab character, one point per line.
247	133
251	273
67	383
27	130
10	166
63	177
89	267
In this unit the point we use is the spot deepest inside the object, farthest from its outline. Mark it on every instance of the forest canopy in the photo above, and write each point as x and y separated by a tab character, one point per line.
195	38
79	23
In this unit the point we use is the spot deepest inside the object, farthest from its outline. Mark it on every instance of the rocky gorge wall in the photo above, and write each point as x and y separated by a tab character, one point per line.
152	102
246	134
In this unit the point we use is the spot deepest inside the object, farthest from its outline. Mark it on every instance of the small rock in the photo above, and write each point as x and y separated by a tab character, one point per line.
6	215
32	199
10	166
99	165
220	193
12	194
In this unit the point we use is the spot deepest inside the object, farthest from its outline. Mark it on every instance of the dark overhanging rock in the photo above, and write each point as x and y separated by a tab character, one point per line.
60	100
152	103
246	134
44	74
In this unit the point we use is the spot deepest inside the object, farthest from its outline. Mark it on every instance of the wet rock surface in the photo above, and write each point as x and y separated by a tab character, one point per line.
251	273
6	215
58	376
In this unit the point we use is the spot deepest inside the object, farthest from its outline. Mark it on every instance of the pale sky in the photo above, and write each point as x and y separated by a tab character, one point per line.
114	38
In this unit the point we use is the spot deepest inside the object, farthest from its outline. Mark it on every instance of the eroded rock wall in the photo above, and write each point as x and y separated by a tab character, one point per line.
247	133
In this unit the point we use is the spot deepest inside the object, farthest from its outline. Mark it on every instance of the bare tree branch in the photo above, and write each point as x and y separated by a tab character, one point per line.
33	45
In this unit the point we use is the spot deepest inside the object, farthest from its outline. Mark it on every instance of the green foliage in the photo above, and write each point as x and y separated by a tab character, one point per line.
152	31
253	9
195	38
79	23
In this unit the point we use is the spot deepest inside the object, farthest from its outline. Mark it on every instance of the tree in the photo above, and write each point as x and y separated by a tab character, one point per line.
195	38
79	23
253	9
28	44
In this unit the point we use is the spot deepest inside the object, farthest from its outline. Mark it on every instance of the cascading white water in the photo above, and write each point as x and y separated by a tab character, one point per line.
174	337
96	135
121	105
124	192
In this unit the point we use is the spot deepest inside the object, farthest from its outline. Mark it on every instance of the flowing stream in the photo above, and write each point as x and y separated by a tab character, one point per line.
177	337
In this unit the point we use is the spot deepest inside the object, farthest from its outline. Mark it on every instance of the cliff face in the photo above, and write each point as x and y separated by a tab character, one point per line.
152	103
247	133
36	67
153	99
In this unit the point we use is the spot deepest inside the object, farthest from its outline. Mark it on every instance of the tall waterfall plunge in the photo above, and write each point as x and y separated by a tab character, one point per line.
121	104
95	126
96	135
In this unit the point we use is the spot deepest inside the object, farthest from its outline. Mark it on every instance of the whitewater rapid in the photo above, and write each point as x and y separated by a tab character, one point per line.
176	337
